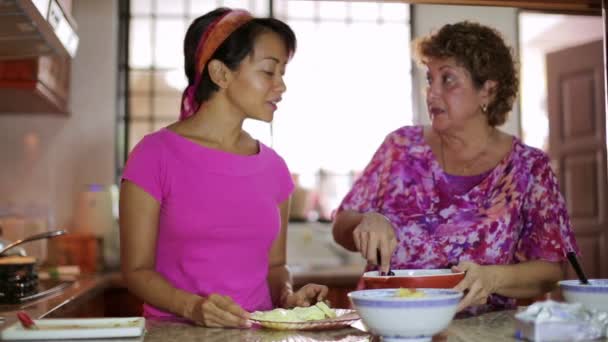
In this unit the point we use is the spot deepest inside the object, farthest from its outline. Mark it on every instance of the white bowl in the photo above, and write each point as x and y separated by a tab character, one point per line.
594	295
397	318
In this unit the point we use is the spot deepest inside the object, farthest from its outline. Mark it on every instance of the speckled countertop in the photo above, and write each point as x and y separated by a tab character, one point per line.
491	327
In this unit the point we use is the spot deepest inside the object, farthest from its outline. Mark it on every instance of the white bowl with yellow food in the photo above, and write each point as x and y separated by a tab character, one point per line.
406	314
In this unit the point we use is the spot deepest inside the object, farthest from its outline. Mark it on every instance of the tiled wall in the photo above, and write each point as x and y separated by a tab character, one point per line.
45	160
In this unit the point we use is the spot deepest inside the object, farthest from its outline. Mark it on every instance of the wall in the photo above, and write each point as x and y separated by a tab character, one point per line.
46	159
427	18
311	245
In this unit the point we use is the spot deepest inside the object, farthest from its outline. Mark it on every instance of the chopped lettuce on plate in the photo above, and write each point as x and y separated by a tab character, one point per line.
316	312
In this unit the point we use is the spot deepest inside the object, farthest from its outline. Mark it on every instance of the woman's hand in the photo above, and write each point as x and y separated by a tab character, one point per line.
375	233
219	311
478	284
309	294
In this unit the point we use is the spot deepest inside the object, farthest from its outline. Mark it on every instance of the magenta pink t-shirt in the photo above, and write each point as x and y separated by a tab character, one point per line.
219	215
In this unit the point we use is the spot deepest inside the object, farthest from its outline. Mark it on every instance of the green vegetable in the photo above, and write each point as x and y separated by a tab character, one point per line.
298	314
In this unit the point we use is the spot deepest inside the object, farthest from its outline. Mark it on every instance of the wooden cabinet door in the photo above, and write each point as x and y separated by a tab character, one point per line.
577	146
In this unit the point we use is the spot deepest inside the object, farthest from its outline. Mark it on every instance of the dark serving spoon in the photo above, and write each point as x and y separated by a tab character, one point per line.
577	268
389	273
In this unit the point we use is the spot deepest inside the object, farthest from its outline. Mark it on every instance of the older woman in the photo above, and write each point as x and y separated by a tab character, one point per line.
460	193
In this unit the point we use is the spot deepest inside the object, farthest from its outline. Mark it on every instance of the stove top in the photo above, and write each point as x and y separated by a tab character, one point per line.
43	288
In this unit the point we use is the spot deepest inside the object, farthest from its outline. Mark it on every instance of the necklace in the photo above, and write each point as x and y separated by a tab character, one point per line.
469	163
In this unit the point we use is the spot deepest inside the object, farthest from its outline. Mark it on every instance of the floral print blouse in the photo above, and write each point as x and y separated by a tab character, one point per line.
515	214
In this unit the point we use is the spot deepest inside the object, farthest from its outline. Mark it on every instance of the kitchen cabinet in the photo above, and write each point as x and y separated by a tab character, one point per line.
338	296
37	41
35	85
113	301
340	280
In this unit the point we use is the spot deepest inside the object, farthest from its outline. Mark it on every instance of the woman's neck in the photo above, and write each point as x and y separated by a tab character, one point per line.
214	125
463	152
467	141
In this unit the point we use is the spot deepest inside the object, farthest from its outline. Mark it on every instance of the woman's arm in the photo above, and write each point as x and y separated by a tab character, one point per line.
370	234
138	232
345	223
139	214
524	280
527	279
279	278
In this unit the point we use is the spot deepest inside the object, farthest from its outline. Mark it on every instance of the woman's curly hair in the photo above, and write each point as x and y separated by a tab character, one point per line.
483	52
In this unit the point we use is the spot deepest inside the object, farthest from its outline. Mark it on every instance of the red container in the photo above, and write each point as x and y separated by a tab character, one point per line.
437	279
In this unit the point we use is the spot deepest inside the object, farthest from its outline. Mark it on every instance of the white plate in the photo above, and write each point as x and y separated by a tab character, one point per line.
72	328
344	318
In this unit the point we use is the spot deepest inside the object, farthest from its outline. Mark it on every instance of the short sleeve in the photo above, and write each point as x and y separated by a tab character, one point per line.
144	167
365	192
284	179
547	233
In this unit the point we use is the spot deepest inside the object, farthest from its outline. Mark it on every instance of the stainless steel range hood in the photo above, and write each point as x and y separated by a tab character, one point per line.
30	28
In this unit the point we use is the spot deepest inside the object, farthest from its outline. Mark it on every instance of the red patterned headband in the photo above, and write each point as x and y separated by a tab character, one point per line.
213	37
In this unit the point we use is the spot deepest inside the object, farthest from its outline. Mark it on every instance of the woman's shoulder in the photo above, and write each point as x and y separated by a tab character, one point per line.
151	142
269	153
528	154
406	136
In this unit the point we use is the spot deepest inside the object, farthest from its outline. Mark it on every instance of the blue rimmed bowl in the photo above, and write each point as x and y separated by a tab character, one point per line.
406	318
593	295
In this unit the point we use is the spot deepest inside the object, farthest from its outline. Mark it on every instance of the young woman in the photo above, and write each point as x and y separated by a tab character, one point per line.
204	206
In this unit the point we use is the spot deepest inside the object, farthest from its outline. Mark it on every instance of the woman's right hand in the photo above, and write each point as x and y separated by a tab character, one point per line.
217	311
375	233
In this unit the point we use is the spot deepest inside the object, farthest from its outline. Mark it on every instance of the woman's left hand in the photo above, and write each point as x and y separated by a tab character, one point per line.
309	294
478	284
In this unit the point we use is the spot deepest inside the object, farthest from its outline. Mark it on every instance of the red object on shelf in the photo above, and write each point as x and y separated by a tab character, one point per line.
35	85
26	320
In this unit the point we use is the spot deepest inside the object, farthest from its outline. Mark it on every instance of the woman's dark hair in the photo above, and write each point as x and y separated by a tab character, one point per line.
483	52
233	50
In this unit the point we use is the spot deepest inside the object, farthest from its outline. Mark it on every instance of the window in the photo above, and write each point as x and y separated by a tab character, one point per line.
347	88
349	85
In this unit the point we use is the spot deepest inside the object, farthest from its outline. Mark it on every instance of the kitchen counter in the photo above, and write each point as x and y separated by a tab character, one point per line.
77	292
88	286
496	326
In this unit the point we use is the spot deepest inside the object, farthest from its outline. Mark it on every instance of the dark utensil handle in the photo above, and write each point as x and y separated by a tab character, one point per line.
379	259
577	267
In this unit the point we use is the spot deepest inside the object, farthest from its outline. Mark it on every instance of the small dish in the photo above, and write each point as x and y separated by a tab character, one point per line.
76	328
593	295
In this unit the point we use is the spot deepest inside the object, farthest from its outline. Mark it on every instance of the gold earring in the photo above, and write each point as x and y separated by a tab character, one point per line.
484	108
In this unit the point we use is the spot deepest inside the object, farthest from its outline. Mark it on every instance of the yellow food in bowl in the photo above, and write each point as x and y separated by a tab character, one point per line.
409	293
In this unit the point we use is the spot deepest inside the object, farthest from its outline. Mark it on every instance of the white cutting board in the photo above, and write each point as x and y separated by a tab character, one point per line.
76	328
